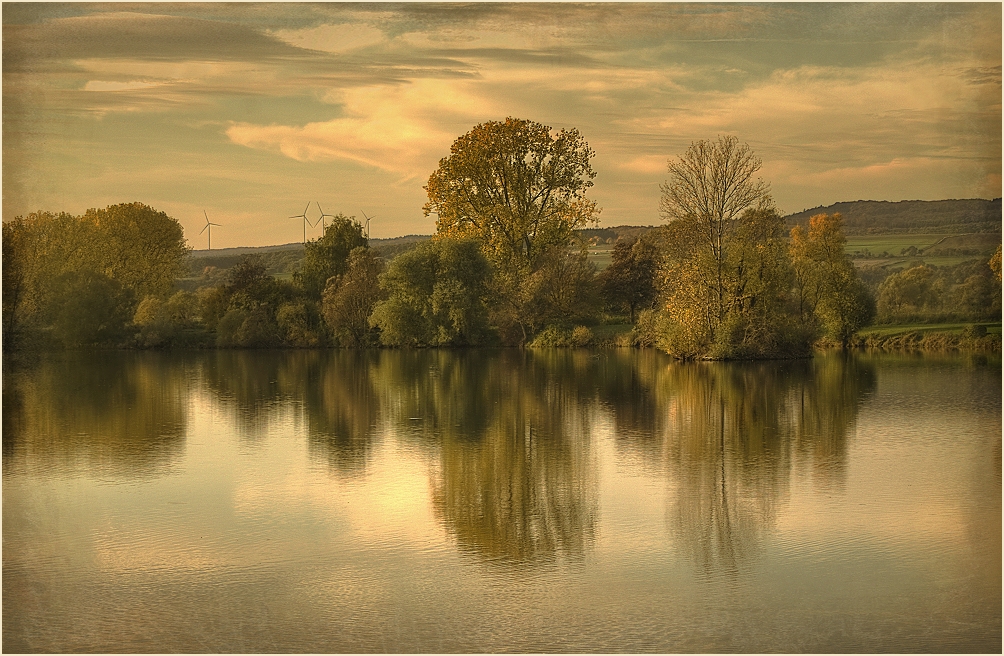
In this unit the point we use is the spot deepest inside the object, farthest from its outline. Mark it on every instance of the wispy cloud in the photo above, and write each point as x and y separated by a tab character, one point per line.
840	100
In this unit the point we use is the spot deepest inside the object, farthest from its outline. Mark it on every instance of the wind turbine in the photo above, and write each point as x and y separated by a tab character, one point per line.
368	224
305	221
322	217
209	226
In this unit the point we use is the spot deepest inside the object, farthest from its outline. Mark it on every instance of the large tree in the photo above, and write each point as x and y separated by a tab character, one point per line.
515	187
141	248
826	288
726	270
518	188
329	255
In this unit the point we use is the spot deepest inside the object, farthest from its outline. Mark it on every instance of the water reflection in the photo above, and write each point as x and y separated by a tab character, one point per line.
506	435
110	414
342	408
728	435
514	482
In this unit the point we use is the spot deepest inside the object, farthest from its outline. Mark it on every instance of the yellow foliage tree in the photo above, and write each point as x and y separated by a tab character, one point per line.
725	272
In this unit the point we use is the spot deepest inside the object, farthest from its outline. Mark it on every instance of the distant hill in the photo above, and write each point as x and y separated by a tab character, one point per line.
863	217
246	250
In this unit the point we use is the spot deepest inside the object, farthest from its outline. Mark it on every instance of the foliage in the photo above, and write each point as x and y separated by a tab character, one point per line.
37	251
348	299
435	296
135	247
140	247
328	256
726	297
826	289
909	292
89	307
298	324
725	272
629	282
514	187
254	310
560	336
161	323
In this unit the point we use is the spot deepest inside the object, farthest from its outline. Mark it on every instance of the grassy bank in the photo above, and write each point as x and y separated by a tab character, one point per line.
978	337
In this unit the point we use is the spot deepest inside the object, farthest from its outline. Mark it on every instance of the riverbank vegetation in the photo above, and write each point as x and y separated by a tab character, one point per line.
509	265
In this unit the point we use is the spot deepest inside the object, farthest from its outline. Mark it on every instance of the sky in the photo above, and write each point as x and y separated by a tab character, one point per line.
247	112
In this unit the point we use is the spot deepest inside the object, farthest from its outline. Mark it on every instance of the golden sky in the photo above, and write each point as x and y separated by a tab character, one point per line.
249	111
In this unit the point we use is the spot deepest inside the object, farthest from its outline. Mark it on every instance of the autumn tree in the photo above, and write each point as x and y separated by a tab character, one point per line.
329	255
435	296
629	282
348	299
827	291
518	189
140	247
726	271
514	187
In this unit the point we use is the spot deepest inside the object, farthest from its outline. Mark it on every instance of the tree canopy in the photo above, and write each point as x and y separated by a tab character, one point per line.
140	247
128	251
435	296
514	187
329	255
726	271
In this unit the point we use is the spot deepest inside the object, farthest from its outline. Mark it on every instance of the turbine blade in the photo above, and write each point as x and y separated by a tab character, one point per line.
204	228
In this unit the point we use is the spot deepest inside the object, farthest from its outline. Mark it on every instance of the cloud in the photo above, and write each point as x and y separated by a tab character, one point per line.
404	129
101	85
136	36
333	38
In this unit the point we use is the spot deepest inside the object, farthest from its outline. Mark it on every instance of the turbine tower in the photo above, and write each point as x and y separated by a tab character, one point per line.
305	221
209	226
322	217
368	224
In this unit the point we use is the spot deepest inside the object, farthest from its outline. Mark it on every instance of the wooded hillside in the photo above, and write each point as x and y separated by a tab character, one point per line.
937	216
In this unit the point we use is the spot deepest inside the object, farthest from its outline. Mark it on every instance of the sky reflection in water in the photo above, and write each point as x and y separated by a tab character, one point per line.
500	500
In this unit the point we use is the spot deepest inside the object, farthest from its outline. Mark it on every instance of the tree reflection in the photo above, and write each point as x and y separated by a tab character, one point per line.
513	481
342	408
122	414
257	385
729	435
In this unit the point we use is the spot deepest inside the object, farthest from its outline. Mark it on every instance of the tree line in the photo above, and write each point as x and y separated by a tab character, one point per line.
722	278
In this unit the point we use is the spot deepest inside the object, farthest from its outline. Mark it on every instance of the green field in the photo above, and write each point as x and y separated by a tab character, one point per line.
601	255
886	250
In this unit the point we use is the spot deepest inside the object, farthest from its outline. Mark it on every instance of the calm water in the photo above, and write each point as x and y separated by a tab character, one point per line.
442	501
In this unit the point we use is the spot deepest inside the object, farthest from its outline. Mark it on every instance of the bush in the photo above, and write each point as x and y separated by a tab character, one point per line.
556	336
90	308
228	327
297	326
348	300
435	296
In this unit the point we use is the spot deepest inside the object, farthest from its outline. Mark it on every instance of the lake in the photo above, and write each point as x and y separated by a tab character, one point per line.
500	500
